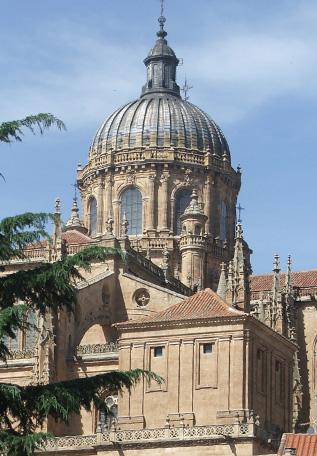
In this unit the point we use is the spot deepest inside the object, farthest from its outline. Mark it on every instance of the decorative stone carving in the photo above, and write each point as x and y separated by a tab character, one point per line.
130	177
188	178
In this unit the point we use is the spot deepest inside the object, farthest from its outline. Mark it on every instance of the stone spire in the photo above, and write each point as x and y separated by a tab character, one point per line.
74	222
161	64
238	288
288	278
222	284
277	305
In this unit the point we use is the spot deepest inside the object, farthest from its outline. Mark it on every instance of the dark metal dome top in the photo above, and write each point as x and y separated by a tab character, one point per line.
160	118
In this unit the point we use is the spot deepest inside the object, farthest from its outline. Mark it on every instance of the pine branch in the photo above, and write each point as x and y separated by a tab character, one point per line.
29	406
18	232
11	319
13	131
14	444
49	286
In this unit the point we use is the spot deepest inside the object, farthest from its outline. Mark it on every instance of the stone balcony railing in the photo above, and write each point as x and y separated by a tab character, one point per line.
142	436
22	354
97	349
120	157
146	243
187	240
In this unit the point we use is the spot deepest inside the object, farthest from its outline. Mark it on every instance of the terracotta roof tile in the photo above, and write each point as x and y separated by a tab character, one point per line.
75	237
204	304
301	279
305	444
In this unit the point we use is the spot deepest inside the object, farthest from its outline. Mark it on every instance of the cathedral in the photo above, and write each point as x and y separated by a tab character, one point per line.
237	351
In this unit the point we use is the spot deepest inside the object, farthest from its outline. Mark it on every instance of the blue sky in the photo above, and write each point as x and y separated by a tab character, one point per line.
253	65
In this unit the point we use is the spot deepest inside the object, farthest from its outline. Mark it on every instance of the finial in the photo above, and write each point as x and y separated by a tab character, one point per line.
239	231
162	33
124	225
185	89
276	263
109	224
289	262
57	206
288	281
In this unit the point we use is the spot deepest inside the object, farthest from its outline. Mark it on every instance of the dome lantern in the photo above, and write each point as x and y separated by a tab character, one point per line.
161	64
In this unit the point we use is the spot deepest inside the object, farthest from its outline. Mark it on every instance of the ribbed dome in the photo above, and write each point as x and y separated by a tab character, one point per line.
160	120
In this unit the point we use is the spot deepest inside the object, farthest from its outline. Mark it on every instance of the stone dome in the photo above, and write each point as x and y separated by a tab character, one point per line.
160	120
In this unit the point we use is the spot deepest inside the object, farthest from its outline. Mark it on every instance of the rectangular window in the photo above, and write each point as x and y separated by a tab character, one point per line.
207	349
158	351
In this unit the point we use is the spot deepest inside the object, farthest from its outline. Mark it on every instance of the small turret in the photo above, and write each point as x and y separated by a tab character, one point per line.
193	243
74	222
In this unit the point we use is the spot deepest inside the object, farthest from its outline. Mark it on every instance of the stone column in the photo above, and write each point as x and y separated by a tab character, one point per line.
151	205
116	217
163	203
108	209
100	217
207	208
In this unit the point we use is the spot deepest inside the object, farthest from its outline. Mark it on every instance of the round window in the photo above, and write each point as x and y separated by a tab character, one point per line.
141	297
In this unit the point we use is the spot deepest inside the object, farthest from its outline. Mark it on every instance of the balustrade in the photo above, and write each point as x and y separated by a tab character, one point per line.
92	349
236	430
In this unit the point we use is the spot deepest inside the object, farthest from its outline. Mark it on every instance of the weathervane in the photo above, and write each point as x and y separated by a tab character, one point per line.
239	209
185	89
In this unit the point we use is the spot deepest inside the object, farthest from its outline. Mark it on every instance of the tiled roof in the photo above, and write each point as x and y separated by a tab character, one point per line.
75	237
203	305
305	444
301	279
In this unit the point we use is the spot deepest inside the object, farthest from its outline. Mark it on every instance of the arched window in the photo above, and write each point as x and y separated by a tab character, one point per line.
93	217
223	221
181	203
131	206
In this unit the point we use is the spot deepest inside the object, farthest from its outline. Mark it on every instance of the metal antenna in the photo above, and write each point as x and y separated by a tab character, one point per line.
239	209
185	89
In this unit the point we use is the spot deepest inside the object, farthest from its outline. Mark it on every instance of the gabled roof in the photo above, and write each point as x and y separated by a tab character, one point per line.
301	279
205	304
304	444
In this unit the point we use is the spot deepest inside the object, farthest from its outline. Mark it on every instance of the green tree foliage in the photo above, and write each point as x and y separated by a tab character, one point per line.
13	130
49	287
